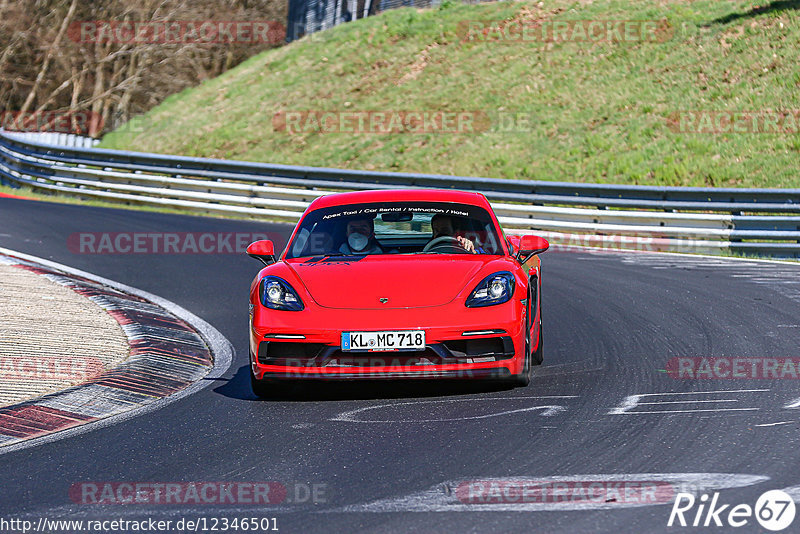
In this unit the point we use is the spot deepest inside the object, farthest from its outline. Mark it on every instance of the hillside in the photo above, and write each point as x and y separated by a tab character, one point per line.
548	106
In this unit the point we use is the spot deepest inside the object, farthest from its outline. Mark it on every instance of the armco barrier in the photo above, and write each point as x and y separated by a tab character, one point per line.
689	219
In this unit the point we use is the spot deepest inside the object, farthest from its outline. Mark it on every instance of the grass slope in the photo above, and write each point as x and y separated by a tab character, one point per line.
599	111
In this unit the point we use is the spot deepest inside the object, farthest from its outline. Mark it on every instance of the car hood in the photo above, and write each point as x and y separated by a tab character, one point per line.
406	281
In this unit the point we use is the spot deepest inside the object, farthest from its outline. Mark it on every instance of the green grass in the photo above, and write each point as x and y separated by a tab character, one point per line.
599	112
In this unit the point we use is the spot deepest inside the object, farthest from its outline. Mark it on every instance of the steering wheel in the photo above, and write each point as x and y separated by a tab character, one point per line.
445	244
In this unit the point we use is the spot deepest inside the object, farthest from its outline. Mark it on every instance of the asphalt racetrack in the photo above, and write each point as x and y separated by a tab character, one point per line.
398	457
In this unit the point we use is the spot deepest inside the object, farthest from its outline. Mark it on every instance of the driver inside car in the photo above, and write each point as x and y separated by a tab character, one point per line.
442	226
361	238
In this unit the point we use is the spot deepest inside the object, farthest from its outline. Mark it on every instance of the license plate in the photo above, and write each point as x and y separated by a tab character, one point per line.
389	340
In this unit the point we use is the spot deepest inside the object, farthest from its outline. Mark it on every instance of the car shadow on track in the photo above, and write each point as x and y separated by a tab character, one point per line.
238	387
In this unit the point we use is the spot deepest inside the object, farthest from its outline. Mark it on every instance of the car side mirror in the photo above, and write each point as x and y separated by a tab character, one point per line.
531	245
263	251
513	241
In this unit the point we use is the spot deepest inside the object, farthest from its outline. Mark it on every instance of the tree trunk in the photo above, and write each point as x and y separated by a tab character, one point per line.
40	77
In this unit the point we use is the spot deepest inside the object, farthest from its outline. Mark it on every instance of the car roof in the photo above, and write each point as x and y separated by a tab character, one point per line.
400	195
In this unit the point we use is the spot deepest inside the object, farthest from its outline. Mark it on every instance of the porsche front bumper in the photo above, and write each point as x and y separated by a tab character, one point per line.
486	343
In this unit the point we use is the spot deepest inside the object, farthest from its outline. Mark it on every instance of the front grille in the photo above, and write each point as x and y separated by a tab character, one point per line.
290	353
339	358
268	351
487	346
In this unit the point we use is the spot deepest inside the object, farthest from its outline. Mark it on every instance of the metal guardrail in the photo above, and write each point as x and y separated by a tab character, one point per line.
58	139
690	219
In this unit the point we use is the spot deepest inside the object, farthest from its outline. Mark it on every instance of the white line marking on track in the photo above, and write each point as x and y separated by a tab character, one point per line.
703	392
793	491
555	493
632	401
351	416
221	348
684	402
699	410
776	424
794	404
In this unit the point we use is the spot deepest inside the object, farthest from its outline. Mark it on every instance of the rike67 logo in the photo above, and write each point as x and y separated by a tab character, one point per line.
774	510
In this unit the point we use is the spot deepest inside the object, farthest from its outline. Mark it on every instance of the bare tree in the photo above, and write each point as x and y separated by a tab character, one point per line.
47	64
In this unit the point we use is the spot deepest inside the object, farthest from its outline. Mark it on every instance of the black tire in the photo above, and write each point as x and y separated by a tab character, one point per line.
538	355
524	378
270	388
261	388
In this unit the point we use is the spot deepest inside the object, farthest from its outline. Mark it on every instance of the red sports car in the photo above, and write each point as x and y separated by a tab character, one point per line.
397	284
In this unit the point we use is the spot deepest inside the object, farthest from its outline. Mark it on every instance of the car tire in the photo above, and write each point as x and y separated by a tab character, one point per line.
261	388
271	388
538	355
524	378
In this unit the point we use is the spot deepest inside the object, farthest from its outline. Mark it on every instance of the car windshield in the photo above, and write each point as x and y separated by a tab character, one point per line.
396	228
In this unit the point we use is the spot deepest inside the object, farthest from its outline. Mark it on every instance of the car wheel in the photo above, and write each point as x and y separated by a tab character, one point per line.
524	378
269	388
538	355
261	388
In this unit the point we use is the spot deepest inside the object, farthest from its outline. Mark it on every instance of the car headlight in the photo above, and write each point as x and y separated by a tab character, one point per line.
496	288
276	293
